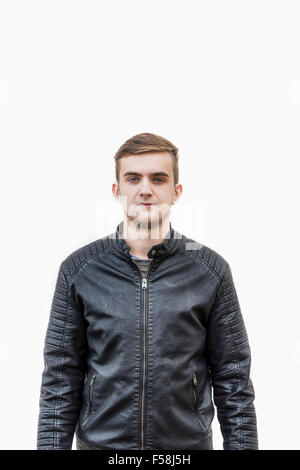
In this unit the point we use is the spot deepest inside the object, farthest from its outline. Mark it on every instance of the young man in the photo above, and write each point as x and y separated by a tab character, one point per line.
145	329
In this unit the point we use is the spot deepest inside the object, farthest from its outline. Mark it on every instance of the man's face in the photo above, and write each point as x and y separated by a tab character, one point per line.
147	178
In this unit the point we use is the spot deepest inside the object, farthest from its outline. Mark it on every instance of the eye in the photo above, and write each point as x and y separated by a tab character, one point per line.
134	178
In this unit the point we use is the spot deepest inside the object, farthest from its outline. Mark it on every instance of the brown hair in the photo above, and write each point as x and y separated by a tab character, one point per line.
146	142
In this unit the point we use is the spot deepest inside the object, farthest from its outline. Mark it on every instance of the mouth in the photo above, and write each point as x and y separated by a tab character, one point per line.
146	204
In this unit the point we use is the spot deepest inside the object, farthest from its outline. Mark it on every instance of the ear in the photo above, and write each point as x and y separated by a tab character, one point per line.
115	190
178	191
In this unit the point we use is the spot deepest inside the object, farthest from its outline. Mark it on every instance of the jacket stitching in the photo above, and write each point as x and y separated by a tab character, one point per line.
81	266
57	400
216	275
87	260
237	360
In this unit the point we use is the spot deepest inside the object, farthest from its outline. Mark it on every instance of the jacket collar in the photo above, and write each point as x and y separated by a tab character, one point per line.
171	242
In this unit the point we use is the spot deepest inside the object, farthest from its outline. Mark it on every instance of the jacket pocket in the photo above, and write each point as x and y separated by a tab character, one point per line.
196	408
89	400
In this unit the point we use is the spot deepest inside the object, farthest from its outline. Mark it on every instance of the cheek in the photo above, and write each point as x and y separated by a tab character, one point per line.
127	200
165	195
165	200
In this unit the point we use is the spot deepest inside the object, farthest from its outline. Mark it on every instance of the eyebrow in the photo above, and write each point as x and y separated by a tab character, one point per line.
156	173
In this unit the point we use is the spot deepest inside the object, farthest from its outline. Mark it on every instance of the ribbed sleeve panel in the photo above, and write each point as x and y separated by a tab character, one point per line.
229	357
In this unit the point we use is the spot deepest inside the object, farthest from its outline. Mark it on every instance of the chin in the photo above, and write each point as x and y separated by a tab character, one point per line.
152	220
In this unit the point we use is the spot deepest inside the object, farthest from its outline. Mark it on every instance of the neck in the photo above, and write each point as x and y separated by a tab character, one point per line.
141	238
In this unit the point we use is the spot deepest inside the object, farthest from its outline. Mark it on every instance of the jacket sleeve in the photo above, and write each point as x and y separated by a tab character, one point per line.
229	358
63	376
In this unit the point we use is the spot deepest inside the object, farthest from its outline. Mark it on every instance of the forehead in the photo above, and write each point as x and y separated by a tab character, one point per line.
147	163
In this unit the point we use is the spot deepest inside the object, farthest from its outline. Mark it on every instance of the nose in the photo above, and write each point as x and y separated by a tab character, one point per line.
145	188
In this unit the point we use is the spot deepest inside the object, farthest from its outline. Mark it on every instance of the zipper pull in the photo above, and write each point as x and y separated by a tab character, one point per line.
144	285
194	379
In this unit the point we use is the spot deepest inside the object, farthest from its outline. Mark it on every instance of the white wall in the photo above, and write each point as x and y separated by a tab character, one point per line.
221	80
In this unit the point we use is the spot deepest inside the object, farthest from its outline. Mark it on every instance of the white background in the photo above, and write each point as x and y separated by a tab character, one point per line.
221	80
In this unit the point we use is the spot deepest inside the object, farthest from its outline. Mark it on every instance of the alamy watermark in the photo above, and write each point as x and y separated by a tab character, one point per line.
144	221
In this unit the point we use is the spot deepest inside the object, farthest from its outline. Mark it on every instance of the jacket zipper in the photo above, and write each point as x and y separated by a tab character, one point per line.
90	398
195	397
144	287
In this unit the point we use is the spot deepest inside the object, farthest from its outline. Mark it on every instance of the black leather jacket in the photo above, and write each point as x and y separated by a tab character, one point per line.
130	364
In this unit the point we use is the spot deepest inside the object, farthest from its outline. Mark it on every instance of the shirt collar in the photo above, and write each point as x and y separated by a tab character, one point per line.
170	243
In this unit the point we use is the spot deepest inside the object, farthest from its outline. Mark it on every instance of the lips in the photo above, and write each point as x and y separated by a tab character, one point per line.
146	204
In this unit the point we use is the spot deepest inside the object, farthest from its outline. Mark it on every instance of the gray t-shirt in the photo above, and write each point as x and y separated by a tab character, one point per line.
142	263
